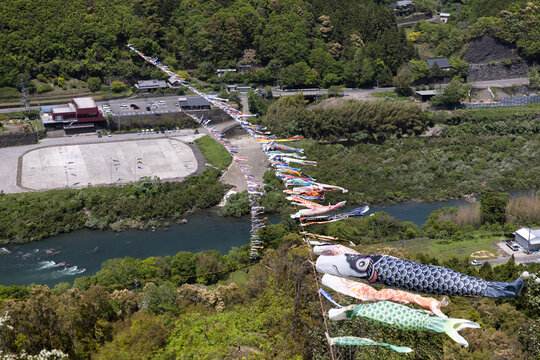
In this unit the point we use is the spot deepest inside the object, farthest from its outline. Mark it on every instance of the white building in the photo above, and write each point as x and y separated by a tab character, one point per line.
528	239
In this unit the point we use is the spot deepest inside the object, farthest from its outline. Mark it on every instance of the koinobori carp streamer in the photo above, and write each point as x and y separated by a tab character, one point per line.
366	293
352	340
412	276
399	316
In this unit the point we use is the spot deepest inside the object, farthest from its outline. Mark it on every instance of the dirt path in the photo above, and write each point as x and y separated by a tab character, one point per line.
249	147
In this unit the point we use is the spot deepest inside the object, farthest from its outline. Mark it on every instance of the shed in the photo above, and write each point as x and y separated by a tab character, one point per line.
528	239
243	88
442	63
425	95
444	17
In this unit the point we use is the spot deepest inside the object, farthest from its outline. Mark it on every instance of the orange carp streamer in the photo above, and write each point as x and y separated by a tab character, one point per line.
366	293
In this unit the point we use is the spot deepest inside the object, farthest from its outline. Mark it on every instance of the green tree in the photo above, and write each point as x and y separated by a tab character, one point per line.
237	205
118	86
298	75
160	299
460	68
403	80
534	77
493	207
183	265
419	68
94	84
452	94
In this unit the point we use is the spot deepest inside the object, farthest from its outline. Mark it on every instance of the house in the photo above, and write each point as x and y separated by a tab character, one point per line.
243	88
174	82
403	7
442	63
79	113
444	17
244	68
425	95
193	103
150	85
528	239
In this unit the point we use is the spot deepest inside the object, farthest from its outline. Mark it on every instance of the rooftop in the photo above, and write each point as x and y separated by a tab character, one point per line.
193	101
69	108
151	84
84	102
401	3
427	92
442	63
444	14
531	235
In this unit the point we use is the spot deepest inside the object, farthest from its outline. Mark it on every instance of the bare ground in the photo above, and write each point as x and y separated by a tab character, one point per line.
249	147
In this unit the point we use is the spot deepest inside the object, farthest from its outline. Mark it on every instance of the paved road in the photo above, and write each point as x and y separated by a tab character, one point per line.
353	93
520	259
415	21
116	104
357	93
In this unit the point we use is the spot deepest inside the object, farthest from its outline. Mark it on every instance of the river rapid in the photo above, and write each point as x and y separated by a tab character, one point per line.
64	257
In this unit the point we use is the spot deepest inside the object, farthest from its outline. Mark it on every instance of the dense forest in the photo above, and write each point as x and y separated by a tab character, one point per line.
293	42
88	38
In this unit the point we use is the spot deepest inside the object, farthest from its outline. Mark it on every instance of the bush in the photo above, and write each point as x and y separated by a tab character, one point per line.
45	88
237	205
41	78
94	84
118	86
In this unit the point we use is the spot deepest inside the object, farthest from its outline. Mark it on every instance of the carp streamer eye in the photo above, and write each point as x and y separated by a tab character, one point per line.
362	264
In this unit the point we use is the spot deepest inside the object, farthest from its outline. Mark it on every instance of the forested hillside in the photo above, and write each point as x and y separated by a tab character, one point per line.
305	42
293	42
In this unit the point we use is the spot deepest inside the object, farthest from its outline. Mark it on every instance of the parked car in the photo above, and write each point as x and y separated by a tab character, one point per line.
513	246
99	134
476	263
135	107
161	102
148	108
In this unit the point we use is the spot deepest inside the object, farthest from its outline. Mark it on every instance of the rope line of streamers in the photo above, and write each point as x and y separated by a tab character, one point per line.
281	162
383	307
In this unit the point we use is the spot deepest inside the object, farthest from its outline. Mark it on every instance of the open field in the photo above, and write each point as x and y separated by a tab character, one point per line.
106	163
445	249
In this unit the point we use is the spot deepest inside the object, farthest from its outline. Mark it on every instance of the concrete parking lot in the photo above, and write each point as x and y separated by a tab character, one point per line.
106	163
151	105
11	174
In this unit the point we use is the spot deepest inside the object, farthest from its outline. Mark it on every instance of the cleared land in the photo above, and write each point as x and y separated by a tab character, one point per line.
445	249
106	163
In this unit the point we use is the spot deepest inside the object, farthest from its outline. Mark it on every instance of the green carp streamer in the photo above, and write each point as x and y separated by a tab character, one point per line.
401	317
351	340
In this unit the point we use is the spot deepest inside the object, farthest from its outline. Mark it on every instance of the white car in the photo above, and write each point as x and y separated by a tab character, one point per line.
161	102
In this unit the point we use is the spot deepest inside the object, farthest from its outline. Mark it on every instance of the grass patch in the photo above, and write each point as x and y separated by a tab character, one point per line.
445	249
503	112
389	94
239	277
213	152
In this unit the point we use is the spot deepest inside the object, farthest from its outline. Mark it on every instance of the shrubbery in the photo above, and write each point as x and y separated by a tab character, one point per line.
31	216
237	205
354	121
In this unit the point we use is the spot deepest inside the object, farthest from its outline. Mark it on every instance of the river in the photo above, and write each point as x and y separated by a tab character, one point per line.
82	252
